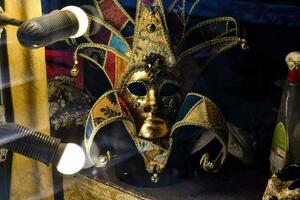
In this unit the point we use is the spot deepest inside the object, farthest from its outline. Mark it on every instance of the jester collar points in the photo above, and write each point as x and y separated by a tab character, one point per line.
145	95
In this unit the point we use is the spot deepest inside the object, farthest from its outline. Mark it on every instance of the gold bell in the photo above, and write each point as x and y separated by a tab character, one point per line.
155	178
244	45
74	71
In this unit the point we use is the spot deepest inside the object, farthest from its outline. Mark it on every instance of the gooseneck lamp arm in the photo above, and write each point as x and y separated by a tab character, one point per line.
68	158
6	20
29	143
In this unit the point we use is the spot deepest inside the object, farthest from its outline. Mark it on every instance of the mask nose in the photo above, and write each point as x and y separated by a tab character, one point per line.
152	106
154	126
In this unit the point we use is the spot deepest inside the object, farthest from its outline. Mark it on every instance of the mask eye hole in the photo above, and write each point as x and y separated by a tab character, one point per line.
137	88
169	89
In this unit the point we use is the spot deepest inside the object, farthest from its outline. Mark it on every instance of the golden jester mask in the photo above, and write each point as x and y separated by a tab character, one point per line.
142	59
151	93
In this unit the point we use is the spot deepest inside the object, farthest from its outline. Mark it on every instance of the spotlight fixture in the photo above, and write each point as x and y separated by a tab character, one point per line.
69	158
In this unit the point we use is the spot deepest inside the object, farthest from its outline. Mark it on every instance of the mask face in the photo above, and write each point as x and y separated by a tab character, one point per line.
152	94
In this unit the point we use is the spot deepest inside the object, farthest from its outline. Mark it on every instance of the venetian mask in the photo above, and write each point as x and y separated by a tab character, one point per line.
140	60
151	93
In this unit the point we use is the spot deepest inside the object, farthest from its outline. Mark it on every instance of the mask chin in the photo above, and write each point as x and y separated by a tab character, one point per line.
154	128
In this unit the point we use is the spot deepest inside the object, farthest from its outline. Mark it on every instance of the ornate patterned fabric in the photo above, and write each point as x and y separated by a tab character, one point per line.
141	60
68	105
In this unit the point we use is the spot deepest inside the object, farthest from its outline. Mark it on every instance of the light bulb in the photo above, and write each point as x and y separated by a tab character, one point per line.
83	20
72	159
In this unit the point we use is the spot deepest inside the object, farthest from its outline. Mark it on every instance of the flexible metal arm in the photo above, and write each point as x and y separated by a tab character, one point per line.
30	143
6	20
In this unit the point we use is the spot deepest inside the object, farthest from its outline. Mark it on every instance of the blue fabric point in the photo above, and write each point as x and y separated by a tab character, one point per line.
117	44
89	128
188	103
128	30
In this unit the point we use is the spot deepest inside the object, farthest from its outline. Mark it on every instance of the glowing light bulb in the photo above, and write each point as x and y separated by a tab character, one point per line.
83	20
72	159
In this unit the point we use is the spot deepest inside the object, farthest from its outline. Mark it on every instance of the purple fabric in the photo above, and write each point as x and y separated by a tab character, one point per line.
147	2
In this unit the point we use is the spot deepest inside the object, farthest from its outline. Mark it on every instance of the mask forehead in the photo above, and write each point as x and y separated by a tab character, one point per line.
156	81
140	75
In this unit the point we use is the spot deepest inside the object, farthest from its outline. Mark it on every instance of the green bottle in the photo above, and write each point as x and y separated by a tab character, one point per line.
285	149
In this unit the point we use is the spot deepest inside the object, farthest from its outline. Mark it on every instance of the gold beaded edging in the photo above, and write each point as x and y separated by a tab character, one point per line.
191	11
88	142
97	46
208	165
212	21
119	6
234	41
208	126
100	66
113	30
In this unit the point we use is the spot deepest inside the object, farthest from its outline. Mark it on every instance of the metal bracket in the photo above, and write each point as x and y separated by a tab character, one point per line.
3	154
5	20
1	31
1	28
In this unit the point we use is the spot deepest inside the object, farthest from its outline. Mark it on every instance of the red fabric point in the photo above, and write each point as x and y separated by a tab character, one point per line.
124	107
113	14
147	2
110	66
